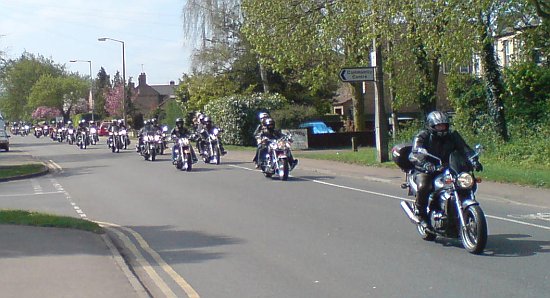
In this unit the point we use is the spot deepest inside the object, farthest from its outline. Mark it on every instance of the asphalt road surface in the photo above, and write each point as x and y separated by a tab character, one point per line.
227	231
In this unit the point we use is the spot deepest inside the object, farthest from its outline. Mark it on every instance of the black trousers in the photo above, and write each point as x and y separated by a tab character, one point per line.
424	183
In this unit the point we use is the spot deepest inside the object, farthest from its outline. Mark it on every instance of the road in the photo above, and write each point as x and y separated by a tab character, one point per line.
227	231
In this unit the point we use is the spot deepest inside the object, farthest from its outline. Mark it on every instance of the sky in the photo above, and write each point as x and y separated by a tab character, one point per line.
152	32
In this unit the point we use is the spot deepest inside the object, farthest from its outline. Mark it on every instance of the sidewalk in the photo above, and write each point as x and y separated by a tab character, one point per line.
54	262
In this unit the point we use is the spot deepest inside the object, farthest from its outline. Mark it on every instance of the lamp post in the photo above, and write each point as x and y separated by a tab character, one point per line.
91	85
123	75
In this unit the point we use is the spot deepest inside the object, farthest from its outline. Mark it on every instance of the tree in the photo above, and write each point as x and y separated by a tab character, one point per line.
61	93
113	100
17	78
102	83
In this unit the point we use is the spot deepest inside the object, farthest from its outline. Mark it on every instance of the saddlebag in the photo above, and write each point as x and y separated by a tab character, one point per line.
400	155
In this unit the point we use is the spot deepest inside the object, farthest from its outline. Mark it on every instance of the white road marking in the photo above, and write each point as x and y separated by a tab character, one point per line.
31	194
403	199
36	186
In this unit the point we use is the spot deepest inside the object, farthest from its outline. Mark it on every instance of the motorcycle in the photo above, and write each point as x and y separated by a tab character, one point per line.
70	135
59	135
149	147
94	138
453	211
276	160
124	139
38	131
184	157
83	139
115	142
26	130
209	146
160	139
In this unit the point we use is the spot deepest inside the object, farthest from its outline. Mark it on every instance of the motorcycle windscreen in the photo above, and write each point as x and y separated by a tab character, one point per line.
459	163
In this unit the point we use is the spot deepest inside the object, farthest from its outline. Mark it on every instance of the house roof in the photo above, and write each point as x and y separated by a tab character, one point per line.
164	90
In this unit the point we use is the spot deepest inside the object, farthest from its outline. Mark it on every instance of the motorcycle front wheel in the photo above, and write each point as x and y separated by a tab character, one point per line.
189	162
283	173
474	233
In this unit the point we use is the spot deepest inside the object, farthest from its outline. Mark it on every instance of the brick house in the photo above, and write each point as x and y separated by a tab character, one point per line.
148	98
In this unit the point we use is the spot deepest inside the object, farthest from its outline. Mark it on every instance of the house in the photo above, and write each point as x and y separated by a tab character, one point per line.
147	98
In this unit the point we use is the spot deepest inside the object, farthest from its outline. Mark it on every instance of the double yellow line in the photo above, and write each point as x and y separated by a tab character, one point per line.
143	263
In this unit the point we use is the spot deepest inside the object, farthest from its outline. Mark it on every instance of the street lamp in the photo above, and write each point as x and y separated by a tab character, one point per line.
123	75
91	85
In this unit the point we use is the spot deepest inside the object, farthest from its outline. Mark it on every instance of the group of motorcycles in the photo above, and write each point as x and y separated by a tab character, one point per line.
74	136
23	130
207	145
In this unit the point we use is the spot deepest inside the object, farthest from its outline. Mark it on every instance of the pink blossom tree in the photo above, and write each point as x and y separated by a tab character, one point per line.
113	101
44	112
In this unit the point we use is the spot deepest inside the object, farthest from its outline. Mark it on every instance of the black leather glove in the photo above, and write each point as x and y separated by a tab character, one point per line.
429	167
477	165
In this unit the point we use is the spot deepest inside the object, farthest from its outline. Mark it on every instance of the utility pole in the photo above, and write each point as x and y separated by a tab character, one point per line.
380	118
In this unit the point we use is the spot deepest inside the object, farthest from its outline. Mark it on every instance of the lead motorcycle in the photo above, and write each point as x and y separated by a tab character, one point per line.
453	211
184	157
276	160
150	146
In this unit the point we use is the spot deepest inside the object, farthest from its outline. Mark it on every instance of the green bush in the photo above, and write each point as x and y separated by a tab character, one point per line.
528	86
237	115
290	116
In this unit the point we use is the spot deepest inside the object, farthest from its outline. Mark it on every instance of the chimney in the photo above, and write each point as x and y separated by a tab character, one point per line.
172	83
142	80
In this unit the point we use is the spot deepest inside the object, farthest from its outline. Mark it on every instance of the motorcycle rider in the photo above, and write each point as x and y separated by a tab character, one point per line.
270	132
262	116
180	131
439	141
147	128
205	130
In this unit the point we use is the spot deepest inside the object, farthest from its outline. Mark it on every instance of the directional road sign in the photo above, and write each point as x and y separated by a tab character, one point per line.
357	74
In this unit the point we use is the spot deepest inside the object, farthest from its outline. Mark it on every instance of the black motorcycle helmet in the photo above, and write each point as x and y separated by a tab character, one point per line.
269	123
438	123
179	122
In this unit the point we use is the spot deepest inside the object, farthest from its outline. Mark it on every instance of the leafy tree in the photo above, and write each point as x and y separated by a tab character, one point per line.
102	82
61	92
17	78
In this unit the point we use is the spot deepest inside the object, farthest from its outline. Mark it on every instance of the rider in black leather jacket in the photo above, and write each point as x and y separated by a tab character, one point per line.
438	140
180	131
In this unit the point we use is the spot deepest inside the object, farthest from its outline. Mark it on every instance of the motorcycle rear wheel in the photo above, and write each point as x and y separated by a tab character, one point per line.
474	234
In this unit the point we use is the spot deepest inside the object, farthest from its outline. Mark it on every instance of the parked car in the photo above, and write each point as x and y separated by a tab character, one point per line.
4	140
316	127
104	128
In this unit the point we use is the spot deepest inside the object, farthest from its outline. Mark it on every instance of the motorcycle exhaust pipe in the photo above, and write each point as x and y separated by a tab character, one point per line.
409	212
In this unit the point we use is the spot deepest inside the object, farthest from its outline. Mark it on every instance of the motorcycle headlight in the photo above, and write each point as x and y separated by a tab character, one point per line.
123	132
92	130
215	131
465	180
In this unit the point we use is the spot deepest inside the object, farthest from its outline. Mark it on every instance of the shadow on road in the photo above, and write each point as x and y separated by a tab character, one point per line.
515	245
184	246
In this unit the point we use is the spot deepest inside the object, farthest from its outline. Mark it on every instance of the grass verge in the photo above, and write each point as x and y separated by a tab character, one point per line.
19	170
21	217
494	170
